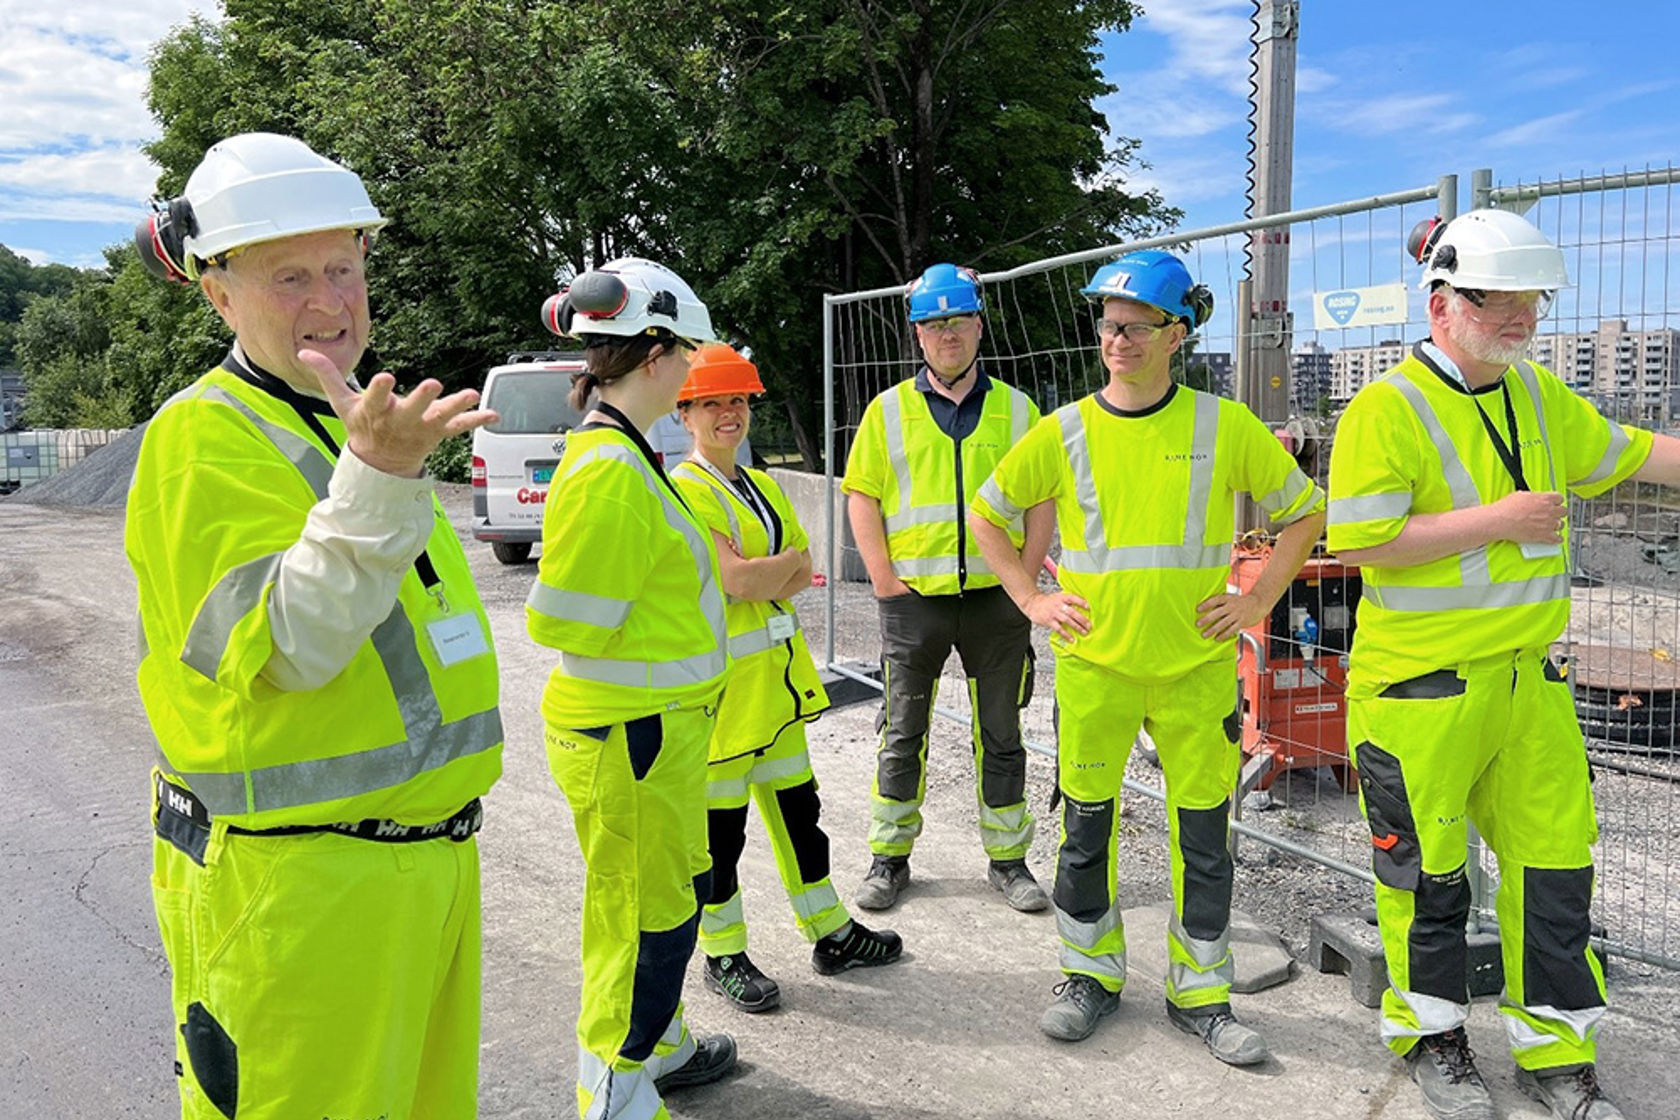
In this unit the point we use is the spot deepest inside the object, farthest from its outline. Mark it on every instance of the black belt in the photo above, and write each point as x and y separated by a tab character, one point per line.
185	822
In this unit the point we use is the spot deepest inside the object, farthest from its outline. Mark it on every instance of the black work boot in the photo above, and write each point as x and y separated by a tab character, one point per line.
855	946
1226	1039
739	981
1444	1068
1571	1092
1080	1004
1019	887
888	875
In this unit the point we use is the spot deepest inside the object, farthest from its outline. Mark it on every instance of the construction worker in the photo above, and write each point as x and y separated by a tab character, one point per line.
922	449
628	591
1448	484
317	669
1142	474
772	691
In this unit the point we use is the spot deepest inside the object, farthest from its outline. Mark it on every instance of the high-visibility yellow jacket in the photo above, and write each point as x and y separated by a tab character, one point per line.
1144	504
1413	442
228	477
773	681
627	589
925	480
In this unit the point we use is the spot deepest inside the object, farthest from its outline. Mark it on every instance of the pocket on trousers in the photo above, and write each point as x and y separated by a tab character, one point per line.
1396	857
174	918
1442	684
214	1059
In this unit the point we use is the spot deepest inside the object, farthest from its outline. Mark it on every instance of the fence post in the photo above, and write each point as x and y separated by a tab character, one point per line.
832	582
1481	188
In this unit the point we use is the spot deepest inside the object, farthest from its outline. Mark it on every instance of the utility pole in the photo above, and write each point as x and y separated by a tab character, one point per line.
1264	326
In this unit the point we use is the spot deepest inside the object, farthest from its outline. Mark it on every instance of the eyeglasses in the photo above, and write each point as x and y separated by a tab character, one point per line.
1502	307
1135	332
956	324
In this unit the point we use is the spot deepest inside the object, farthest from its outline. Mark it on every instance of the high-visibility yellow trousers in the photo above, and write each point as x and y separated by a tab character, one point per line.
322	975
779	779
1494	742
637	792
1194	724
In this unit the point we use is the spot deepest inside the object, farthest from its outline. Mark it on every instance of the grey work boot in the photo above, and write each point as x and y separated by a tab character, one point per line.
1226	1039
714	1056
888	875
1571	1092
1019	887
1079	1006
1444	1068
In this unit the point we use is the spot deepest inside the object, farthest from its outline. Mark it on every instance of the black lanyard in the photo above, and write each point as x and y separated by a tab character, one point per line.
1509	454
310	411
642	445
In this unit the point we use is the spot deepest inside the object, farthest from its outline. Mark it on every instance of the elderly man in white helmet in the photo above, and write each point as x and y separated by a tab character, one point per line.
317	669
1448	487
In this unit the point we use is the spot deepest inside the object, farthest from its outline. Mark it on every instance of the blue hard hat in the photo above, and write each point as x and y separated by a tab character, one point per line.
1156	278
944	290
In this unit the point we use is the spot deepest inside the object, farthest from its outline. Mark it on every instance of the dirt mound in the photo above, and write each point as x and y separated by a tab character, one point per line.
101	479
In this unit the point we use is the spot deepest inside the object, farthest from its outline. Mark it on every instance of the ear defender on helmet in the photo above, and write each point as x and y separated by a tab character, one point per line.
161	240
596	295
1200	302
1421	242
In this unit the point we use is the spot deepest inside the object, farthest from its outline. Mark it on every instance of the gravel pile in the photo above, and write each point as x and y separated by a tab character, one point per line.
100	479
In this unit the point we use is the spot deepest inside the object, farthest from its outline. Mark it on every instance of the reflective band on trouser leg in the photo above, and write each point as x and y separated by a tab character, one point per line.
1099	718
1418	750
1188	719
786	794
643	841
723	927
1539	799
365	1004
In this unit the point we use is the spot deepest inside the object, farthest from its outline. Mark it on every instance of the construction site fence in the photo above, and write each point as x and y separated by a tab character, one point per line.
1354	308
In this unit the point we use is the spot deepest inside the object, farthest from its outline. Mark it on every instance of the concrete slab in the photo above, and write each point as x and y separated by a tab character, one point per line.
1262	959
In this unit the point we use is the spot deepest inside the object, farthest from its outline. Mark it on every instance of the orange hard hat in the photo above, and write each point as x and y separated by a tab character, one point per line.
718	370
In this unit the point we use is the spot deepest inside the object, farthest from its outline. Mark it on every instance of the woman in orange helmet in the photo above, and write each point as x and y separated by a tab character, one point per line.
771	692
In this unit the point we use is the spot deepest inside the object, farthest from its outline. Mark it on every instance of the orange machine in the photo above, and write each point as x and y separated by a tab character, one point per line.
1293	670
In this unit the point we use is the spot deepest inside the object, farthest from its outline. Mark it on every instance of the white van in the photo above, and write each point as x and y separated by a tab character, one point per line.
513	460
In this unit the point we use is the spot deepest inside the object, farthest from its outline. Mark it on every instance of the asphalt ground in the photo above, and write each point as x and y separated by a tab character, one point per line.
951	1031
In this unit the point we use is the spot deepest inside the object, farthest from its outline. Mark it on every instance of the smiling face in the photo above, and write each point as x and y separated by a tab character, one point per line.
1140	361
718	424
297	293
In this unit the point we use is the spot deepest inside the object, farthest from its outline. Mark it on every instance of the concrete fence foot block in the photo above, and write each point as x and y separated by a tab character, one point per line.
845	691
1349	944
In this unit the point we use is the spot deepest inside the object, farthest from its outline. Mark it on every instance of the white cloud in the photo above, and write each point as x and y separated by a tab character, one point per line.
1417	113
113	170
33	256
1209	38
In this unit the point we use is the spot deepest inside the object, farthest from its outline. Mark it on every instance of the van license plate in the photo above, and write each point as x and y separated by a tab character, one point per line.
542	474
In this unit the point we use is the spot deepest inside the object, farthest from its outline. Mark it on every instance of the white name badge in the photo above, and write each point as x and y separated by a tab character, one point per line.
780	627
1540	551
457	638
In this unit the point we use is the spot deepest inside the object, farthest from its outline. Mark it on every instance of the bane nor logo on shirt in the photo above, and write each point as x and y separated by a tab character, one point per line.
1187	457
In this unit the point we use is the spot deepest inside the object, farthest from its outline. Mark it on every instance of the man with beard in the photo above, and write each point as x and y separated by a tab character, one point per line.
1448	487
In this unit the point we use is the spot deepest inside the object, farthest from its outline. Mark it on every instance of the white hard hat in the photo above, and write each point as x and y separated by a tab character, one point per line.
259	186
628	297
1496	251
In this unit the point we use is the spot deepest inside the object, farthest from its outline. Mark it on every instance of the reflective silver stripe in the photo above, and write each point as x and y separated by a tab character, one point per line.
1079	939
1612	455
942	514
719	918
811	904
1434	1015
1295	484
1018	415
729	790
1531	381
236	594
1370	507
1096	556
1516	593
776	770
305	456
140	643
1005	828
1213	968
578	606
680	672
1473	563
992	495
1582	1023
886	809
1141	556
705	474
936	566
759	640
898	458
616	1094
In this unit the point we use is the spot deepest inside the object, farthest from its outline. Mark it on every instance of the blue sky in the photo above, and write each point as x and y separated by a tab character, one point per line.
1389	96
